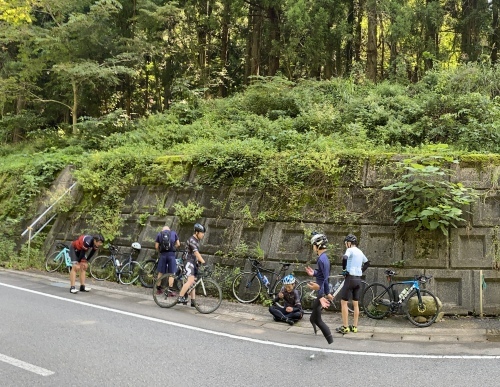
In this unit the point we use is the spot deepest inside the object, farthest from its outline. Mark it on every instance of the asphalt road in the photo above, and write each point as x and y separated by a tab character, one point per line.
49	337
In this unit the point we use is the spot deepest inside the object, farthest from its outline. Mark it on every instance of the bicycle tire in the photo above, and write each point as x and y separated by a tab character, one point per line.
414	312
307	296
54	261
102	267
376	301
166	298
148	275
129	273
246	287
208	296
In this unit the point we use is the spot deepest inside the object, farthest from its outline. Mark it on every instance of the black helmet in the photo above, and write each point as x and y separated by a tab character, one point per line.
319	240
98	237
199	228
351	238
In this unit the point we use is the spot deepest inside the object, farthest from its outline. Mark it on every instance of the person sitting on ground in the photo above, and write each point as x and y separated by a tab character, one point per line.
80	251
291	312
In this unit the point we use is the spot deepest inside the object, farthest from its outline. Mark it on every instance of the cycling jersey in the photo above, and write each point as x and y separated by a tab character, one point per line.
355	260
322	273
192	245
81	247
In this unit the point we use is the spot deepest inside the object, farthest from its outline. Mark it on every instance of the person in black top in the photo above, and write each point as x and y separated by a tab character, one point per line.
193	258
319	243
80	251
291	312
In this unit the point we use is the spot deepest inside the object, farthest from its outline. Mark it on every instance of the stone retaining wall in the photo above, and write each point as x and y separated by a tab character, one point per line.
454	261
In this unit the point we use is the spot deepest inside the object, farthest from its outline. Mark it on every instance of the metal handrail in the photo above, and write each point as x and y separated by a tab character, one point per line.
30	227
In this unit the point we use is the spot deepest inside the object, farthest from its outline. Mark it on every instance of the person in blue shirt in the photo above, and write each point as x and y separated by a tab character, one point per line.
319	243
354	263
291	311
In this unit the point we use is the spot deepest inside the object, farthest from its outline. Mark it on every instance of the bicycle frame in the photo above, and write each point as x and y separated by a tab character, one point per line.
275	276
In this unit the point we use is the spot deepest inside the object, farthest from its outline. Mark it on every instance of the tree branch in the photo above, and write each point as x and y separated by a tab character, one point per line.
37	98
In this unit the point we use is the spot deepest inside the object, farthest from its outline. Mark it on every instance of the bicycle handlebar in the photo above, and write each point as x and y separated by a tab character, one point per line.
255	262
61	245
422	278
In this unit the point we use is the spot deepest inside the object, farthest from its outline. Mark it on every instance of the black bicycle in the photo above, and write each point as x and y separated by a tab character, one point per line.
122	265
208	294
248	284
149	269
420	305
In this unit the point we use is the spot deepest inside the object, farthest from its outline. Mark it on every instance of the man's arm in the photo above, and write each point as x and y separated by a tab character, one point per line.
198	256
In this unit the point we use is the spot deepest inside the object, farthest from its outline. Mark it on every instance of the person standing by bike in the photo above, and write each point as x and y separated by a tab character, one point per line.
319	243
166	243
291	312
80	251
193	257
354	263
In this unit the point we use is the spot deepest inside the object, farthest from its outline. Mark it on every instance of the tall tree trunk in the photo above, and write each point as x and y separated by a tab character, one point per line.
74	110
371	46
167	80
349	44
224	49
256	33
431	37
358	30
274	37
495	28
17	134
470	30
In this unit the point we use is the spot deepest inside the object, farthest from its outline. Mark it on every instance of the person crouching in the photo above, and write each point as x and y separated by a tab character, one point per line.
291	311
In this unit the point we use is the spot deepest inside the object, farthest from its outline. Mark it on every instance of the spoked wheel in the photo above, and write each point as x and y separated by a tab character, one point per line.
307	296
102	267
422	314
130	273
54	261
164	297
148	273
246	287
277	289
208	296
376	301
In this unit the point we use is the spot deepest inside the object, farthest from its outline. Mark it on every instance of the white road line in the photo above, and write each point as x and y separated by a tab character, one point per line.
25	366
252	340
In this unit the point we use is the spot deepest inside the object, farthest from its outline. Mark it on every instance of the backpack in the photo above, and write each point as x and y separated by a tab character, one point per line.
165	244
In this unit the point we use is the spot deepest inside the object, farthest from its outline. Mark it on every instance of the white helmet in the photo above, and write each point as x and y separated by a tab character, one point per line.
319	240
136	246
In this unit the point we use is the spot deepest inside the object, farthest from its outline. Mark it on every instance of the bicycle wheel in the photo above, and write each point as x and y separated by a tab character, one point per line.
208	296
54	261
376	301
102	267
421	314
129	273
165	298
148	275
246	287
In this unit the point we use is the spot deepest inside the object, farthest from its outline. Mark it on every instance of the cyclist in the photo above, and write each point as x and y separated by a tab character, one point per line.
193	257
354	263
291	312
166	263
80	251
319	243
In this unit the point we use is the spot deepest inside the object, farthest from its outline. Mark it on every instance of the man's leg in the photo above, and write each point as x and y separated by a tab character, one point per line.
345	313
83	275
72	276
355	304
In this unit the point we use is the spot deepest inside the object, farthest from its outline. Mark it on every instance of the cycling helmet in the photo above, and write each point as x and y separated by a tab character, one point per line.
289	280
319	240
351	238
136	246
199	228
98	237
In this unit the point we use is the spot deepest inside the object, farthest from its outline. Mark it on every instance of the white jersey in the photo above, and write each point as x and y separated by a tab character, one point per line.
355	260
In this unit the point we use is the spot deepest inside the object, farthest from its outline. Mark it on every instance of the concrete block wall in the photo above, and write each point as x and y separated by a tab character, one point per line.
455	261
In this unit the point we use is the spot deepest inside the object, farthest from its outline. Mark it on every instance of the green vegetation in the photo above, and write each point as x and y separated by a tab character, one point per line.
303	146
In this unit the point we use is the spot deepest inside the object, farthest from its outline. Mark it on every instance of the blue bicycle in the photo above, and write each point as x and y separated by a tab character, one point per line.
420	306
56	259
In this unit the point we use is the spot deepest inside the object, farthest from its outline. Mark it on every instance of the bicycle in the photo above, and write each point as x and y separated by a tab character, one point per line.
308	295
126	271
208	292
55	260
420	305
149	270
248	284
